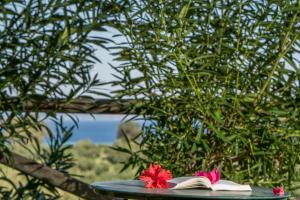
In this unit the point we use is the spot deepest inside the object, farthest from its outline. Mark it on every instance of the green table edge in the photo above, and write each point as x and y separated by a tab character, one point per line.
112	188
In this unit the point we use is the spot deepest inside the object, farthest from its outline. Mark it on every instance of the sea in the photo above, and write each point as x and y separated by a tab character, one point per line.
99	129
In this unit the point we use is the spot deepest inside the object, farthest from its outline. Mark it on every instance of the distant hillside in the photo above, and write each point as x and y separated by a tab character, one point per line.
93	162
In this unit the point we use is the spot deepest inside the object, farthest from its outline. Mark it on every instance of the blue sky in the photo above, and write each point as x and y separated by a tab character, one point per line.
103	69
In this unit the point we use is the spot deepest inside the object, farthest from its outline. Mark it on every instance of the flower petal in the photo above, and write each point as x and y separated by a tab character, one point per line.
201	173
214	176
278	191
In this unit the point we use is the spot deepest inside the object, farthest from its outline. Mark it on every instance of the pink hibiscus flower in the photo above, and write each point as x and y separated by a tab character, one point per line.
278	191
214	175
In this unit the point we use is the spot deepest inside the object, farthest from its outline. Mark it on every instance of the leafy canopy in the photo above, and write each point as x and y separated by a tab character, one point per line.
221	84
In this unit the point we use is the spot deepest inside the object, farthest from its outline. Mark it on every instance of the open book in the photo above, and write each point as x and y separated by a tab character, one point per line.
203	182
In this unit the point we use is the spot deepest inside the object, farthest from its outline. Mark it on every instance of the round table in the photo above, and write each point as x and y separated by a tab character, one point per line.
134	189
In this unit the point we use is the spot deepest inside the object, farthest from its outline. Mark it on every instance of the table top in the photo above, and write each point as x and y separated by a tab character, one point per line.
136	189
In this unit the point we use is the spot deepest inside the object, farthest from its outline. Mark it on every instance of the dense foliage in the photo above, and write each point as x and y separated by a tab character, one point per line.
220	81
46	52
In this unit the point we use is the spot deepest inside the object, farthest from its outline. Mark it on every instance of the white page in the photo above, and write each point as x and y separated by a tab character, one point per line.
189	182
230	186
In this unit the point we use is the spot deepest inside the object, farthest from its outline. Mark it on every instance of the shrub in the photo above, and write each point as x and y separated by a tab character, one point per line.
220	83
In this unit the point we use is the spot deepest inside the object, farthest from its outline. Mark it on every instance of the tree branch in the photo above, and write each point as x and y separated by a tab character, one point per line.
80	105
51	176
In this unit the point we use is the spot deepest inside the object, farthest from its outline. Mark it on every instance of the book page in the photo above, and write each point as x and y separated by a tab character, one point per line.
189	182
230	186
